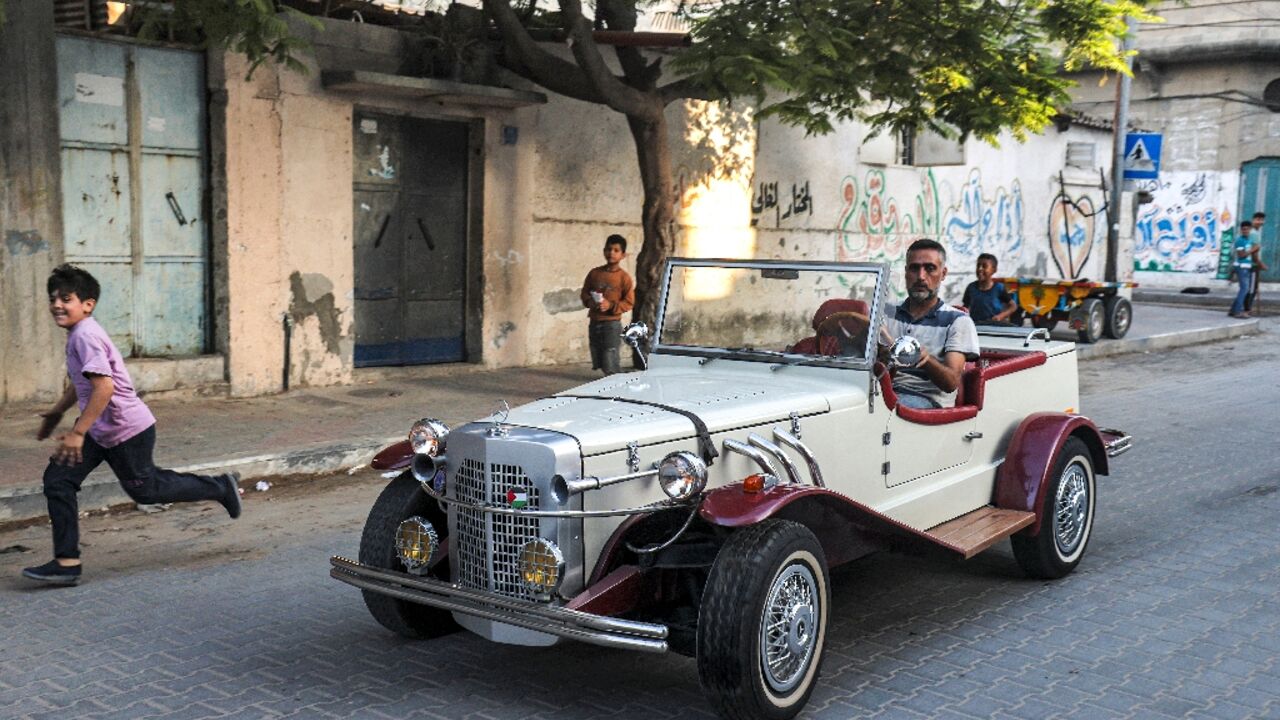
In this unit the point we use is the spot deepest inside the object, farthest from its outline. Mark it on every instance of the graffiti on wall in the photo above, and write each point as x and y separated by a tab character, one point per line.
873	228
1071	233
1183	227
784	205
978	223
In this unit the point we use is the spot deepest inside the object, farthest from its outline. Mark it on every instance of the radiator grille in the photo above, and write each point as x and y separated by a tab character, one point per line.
488	546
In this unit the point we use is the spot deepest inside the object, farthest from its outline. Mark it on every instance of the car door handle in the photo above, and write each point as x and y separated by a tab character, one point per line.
972	435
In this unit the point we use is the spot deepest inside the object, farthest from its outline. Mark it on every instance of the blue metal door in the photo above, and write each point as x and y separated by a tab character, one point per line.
133	183
1260	192
410	240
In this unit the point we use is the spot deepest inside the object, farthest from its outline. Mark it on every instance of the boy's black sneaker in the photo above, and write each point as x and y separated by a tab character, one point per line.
231	500
53	573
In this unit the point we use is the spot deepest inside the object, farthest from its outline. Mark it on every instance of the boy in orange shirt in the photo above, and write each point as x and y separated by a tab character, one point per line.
607	293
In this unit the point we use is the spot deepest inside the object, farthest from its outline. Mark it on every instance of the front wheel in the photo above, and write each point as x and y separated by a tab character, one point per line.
401	499
763	622
1067	521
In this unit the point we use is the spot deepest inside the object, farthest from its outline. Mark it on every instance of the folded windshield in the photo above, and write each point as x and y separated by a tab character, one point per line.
771	313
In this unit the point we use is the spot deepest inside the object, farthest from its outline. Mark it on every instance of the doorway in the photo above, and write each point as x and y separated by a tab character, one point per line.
410	234
1260	192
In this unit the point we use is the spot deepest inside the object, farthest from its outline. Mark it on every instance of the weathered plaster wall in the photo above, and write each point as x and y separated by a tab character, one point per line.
1199	80
31	234
768	191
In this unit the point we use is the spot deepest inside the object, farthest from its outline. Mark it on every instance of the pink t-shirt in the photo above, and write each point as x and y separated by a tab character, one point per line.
90	350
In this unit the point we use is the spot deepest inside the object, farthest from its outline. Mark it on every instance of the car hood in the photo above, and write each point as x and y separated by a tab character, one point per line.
607	414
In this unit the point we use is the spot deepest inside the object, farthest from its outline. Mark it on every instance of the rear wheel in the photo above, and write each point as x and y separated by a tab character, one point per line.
1119	313
1094	320
1067	521
763	620
401	499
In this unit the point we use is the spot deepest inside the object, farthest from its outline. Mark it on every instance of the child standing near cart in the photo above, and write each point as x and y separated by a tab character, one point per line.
987	300
114	426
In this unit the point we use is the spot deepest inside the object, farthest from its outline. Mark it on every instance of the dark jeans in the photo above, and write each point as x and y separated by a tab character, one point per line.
138	475
1252	295
604	338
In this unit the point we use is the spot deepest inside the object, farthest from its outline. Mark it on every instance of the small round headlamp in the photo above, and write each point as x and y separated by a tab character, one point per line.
682	474
426	437
416	543
541	567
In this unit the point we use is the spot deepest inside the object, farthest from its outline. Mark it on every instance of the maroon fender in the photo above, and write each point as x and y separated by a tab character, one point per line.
1031	455
393	457
622	590
846	528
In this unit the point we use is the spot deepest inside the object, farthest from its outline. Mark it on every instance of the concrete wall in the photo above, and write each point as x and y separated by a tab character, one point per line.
546	203
1199	80
31	357
767	191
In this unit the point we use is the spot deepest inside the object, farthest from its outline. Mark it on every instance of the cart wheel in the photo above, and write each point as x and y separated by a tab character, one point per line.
1044	322
1119	314
1094	320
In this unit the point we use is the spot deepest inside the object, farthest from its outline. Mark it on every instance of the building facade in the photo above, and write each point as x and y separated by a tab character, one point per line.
1208	79
298	226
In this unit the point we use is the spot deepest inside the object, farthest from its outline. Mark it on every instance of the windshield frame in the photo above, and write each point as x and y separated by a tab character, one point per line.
879	295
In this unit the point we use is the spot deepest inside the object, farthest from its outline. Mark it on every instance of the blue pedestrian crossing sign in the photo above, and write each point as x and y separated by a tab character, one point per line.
1142	156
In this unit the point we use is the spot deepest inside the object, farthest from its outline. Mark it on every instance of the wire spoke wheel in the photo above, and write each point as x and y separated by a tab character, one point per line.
1070	509
1068	499
788	633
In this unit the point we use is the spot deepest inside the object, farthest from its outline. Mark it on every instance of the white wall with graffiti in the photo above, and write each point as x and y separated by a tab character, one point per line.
1178	236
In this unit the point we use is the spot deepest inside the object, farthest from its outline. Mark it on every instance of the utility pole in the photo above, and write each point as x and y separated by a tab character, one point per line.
1120	128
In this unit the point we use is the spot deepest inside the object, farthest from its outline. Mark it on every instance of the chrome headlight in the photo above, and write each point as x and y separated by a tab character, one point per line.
541	567
682	475
426	437
416	544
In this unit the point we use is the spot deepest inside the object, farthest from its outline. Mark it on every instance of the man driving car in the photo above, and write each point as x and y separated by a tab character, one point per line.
947	336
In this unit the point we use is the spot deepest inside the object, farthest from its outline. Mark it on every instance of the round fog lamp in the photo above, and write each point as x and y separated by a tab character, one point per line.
416	544
426	437
541	566
682	475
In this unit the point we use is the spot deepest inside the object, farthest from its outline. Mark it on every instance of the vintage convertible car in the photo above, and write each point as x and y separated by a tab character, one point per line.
698	506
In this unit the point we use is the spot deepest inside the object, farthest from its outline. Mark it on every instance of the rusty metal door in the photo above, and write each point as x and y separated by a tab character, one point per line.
132	123
410	240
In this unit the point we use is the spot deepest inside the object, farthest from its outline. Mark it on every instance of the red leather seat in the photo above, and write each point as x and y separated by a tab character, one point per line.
826	344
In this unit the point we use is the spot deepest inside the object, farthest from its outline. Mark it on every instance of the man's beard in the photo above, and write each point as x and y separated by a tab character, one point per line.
921	294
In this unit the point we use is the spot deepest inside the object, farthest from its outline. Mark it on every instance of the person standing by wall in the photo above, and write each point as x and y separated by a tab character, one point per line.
607	293
1258	266
1243	251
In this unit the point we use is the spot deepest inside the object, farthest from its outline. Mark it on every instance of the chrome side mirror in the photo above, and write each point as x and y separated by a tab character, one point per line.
634	334
905	352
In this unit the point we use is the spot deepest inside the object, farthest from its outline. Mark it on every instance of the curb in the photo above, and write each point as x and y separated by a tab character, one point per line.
1166	341
101	489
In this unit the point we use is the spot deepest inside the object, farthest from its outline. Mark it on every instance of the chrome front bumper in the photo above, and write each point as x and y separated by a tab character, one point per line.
569	624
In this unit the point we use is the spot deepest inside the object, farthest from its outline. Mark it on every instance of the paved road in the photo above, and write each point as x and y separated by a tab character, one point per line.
1175	611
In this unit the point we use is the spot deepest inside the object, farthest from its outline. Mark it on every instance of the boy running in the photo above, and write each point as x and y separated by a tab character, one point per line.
114	425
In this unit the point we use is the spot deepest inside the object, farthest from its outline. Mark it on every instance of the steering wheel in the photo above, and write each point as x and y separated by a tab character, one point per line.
847	326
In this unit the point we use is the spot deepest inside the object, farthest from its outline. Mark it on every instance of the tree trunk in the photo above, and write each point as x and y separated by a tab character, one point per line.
658	215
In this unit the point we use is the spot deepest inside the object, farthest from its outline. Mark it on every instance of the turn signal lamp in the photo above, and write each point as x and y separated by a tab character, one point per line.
753	484
541	567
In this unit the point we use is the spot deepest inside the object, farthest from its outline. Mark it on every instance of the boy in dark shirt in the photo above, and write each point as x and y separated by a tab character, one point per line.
607	293
987	300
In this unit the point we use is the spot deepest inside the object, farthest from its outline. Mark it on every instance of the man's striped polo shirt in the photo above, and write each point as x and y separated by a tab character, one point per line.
941	330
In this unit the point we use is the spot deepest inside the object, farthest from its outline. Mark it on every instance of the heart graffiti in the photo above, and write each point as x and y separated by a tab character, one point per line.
1071	225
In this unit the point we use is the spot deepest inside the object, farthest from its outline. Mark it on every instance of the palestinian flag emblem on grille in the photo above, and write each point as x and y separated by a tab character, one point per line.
517	498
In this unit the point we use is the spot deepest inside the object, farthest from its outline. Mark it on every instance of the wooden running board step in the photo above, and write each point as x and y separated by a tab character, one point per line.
974	532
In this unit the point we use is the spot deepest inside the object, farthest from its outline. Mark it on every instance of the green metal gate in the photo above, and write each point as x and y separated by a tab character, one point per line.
132	126
1260	192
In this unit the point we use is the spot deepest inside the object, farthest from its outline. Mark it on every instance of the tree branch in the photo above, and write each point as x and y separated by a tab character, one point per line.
615	93
525	58
684	89
620	15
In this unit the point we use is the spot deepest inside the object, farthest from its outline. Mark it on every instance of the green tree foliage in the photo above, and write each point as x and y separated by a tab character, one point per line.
975	66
